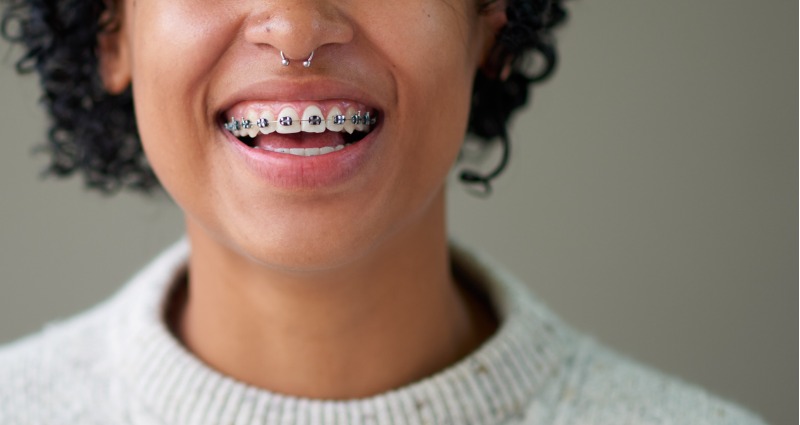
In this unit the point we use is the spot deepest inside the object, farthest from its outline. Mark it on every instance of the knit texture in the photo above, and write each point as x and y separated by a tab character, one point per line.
119	364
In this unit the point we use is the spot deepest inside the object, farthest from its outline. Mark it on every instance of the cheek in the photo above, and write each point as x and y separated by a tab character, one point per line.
176	46
178	36
434	63
440	45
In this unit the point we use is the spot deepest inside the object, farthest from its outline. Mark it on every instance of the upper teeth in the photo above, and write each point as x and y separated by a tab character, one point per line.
312	121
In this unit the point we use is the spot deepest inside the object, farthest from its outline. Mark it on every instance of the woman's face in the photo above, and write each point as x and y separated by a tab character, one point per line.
195	64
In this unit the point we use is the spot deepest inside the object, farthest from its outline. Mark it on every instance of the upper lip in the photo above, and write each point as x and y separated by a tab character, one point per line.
288	90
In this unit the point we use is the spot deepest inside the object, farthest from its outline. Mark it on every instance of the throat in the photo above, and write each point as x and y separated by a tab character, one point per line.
375	354
393	318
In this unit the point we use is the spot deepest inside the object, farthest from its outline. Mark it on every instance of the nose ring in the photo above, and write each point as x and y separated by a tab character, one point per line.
306	63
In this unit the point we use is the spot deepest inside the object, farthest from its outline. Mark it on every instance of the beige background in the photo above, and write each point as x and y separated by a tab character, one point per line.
651	198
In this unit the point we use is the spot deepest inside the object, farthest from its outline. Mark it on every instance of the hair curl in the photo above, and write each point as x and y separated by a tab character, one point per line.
94	132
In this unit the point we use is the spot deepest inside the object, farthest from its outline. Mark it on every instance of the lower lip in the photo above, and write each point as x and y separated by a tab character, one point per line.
295	172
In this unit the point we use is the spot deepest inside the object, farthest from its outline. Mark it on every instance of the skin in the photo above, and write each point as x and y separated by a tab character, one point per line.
339	290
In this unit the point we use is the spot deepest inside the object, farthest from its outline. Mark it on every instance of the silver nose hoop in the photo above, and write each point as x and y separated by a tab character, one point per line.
306	63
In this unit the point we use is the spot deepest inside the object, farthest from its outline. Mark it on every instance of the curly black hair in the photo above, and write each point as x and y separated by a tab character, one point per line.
94	132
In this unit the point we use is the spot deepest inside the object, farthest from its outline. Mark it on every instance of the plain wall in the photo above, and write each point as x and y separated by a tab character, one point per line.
650	200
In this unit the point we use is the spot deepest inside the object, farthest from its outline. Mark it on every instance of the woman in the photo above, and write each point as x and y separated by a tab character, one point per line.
307	143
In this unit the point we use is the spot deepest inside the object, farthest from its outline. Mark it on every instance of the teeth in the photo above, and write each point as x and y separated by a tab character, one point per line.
288	121
361	124
232	125
334	121
306	151
267	123
350	124
312	120
252	128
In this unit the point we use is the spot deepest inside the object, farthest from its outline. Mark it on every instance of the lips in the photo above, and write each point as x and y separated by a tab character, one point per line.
296	135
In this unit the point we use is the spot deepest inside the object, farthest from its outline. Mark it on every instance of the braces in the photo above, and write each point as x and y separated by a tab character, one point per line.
234	125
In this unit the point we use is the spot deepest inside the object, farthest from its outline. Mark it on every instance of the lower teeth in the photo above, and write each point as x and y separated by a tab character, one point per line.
348	140
305	151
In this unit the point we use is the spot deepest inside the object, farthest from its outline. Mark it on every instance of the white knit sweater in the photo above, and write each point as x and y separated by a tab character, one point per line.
119	364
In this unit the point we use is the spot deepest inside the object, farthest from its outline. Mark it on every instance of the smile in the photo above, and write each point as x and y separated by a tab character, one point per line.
305	130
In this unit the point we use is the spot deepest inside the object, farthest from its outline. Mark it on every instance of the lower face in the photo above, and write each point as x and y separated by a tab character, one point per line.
410	64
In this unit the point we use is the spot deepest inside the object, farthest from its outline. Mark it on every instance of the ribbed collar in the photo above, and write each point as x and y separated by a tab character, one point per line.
162	383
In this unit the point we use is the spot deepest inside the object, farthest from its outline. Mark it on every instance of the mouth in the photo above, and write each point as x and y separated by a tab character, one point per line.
300	129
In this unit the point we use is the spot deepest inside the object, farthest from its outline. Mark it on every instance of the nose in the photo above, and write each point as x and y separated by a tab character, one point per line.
298	27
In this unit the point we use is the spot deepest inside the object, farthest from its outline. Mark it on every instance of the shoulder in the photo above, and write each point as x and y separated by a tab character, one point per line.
72	372
601	386
591	383
58	375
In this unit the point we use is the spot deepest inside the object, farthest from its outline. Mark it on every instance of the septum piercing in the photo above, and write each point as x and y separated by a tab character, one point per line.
357	118
306	63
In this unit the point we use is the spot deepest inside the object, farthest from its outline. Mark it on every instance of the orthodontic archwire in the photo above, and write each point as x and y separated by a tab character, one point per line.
244	123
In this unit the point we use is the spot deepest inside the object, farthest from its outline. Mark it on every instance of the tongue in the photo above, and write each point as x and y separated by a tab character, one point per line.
299	140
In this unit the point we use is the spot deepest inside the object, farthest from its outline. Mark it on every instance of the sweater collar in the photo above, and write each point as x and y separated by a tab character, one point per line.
166	384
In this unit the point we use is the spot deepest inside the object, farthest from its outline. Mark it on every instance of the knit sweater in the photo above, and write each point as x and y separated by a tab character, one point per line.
119	364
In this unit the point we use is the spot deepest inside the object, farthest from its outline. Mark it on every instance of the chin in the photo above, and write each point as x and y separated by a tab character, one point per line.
293	245
308	255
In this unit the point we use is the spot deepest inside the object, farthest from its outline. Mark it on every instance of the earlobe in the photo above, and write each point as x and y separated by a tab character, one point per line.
113	53
494	14
493	18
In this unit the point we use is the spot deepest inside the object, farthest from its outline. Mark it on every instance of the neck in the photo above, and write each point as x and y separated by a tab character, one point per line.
390	318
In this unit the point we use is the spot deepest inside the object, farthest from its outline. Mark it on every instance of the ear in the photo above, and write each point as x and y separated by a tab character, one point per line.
113	50
493	18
